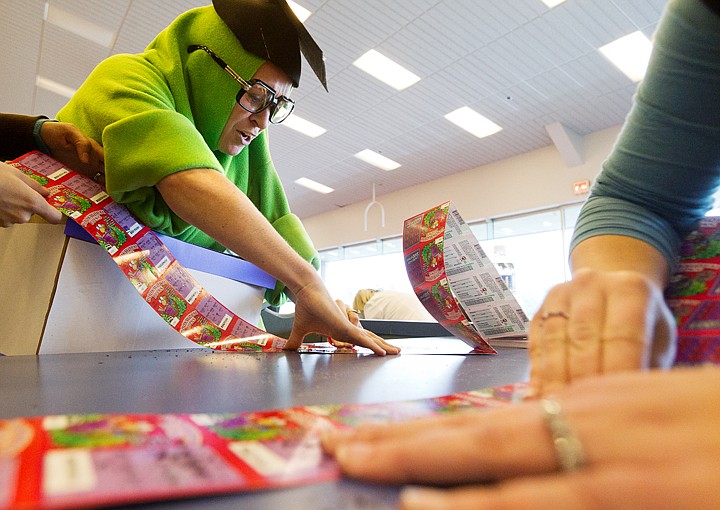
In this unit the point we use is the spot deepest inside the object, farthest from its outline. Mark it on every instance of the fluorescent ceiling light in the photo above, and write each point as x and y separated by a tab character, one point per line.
315	186
552	3
303	126
385	70
377	160
473	122
301	12
79	26
630	54
53	86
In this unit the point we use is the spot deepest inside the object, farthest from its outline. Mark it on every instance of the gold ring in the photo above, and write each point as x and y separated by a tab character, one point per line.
568	449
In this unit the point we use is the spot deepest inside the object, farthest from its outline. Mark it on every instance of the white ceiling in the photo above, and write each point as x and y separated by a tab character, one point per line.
515	61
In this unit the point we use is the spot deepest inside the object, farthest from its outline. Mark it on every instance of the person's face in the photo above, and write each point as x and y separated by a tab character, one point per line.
242	126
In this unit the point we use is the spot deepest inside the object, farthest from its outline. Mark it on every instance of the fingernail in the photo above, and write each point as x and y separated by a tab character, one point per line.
421	497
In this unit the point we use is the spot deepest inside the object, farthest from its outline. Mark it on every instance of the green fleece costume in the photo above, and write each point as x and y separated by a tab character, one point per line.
162	112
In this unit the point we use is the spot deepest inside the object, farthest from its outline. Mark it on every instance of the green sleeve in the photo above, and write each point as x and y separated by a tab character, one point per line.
147	134
293	231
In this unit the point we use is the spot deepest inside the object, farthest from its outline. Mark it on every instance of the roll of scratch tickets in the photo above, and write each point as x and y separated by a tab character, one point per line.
457	282
163	283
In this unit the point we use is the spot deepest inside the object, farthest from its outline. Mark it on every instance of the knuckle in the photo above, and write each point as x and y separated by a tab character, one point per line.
583	331
634	282
584	277
627	340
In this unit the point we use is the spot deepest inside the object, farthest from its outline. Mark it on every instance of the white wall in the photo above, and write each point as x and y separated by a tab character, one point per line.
534	180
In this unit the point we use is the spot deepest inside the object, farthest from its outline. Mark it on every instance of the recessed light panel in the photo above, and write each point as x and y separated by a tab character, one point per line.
303	126
552	3
473	122
79	26
630	54
55	87
301	12
377	160
312	185
387	71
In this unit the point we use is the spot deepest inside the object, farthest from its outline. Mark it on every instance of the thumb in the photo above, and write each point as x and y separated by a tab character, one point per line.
296	337
48	212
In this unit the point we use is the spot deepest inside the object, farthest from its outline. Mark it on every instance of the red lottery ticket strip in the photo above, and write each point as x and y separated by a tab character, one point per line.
694	295
456	281
163	283
81	461
424	260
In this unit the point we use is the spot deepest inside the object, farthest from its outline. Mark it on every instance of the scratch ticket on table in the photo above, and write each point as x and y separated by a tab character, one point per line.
82	461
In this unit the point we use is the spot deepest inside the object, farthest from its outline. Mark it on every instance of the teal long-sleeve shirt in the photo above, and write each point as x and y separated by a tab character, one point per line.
661	175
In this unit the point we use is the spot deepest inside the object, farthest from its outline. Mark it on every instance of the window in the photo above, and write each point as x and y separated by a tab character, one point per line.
530	252
715	211
383	271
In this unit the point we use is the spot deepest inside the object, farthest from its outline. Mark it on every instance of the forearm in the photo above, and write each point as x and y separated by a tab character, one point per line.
16	135
620	253
207	200
653	187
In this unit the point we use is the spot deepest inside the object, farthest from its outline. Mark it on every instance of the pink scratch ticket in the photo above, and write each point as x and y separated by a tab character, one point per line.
694	295
160	279
456	281
81	461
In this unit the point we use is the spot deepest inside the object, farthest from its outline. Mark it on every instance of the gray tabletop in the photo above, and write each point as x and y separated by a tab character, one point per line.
201	381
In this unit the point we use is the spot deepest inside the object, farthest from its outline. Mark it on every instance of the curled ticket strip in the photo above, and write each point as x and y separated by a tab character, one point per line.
456	281
163	283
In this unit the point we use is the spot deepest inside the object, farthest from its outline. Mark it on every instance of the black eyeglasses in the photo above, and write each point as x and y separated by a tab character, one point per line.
254	95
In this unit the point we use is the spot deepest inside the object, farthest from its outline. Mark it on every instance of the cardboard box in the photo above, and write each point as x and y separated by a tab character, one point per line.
67	295
30	255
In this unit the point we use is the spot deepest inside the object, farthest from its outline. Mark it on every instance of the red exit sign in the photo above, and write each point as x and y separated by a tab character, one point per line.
581	188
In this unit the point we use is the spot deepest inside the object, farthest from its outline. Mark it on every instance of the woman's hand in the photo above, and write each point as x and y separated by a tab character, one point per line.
21	197
352	316
316	312
650	440
597	323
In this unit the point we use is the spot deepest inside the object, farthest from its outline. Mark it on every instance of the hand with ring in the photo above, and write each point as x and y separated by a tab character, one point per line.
626	440
599	322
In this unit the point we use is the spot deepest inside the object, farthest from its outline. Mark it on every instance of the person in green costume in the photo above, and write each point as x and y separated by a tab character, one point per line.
183	125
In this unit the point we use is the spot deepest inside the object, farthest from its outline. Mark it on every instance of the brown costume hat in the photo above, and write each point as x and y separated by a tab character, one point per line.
270	30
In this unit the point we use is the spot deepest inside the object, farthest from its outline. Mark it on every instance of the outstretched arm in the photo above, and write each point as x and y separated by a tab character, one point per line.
655	186
232	219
